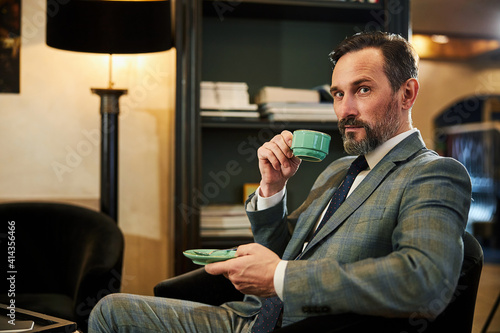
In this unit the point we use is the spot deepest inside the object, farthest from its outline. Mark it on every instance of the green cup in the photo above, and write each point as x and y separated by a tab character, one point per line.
311	146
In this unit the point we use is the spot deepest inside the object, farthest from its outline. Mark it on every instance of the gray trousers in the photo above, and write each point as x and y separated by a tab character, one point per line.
133	313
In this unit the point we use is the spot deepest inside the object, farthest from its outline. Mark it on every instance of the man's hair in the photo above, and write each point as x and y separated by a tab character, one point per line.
400	57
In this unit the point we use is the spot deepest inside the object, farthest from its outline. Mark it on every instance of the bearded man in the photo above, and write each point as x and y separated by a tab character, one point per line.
379	235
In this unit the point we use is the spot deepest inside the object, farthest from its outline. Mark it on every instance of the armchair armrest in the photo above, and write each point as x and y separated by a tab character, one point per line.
199	286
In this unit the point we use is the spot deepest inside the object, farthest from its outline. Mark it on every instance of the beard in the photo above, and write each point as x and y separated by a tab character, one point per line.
376	134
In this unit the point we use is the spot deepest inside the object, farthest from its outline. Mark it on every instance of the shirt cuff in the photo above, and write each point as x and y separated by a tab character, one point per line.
268	202
279	278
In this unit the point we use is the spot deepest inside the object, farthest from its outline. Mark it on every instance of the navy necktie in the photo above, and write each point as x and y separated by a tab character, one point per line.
268	315
358	165
272	306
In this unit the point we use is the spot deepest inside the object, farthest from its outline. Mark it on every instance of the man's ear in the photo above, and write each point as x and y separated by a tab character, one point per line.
409	93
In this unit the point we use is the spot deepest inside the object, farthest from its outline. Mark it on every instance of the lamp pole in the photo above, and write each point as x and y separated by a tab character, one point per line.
109	149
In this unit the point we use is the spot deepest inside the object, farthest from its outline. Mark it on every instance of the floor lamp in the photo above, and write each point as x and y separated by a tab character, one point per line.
110	27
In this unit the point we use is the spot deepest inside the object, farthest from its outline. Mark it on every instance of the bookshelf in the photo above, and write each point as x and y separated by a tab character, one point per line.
262	43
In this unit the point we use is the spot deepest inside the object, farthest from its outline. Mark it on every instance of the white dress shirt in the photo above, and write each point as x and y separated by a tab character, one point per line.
372	158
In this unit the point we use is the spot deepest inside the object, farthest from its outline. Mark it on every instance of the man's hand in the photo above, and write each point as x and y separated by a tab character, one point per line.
251	272
276	163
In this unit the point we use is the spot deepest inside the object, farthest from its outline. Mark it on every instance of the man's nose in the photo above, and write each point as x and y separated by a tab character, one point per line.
346	108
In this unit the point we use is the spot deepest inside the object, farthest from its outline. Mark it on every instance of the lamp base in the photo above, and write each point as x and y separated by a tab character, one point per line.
109	149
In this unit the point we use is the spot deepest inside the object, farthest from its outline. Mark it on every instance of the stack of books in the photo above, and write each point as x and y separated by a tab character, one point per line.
226	99
289	104
224	221
289	95
280	111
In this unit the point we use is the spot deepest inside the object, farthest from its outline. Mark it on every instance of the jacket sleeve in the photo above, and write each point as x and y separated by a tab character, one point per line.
269	226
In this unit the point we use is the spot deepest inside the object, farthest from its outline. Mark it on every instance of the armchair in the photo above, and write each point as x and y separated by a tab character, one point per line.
66	258
202	287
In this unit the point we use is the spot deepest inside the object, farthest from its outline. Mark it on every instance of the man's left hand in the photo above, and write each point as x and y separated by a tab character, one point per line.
251	272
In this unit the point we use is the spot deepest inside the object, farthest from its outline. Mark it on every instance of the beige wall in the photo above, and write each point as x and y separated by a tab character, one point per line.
443	83
50	132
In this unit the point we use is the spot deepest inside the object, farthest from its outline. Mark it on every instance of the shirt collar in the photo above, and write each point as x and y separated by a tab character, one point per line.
378	153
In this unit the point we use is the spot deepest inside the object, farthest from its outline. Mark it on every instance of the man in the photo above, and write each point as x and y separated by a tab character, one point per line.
391	249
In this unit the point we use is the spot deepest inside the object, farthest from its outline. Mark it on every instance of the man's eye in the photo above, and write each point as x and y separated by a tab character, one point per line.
364	90
338	94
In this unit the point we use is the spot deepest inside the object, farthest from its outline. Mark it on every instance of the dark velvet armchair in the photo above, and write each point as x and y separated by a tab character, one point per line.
66	258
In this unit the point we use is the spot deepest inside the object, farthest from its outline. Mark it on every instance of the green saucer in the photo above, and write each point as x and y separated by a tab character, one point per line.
204	256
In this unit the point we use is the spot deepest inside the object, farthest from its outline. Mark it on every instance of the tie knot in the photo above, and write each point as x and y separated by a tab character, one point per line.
358	165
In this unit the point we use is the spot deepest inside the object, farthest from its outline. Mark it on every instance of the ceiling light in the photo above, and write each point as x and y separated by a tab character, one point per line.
440	39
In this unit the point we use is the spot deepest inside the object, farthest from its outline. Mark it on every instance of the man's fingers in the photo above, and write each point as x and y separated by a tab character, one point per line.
223	267
284	142
276	155
287	137
266	153
216	268
245	249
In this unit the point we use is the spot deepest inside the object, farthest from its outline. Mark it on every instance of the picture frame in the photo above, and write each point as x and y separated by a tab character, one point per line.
10	45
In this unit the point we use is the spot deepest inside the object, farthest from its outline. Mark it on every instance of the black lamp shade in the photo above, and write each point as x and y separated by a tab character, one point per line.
109	26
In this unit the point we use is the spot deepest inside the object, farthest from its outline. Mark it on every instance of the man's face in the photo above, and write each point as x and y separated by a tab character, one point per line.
368	111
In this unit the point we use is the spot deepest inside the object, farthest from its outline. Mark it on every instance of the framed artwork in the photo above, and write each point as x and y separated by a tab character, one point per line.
10	45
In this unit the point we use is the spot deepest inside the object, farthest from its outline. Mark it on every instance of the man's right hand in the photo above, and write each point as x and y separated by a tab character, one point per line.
276	163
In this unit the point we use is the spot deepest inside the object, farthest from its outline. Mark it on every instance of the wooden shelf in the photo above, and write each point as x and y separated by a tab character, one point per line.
257	123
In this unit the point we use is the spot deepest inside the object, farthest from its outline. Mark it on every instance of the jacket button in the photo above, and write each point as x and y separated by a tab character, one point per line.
316	309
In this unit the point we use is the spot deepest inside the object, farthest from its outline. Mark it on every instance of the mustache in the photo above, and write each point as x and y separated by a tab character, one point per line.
351	122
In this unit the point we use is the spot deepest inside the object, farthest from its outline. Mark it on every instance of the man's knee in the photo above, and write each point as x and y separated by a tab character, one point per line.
106	303
103	315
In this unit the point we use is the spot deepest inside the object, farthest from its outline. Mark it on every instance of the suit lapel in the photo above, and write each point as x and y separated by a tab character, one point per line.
401	152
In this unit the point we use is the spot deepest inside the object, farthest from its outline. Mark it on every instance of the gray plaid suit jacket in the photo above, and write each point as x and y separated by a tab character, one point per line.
393	248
